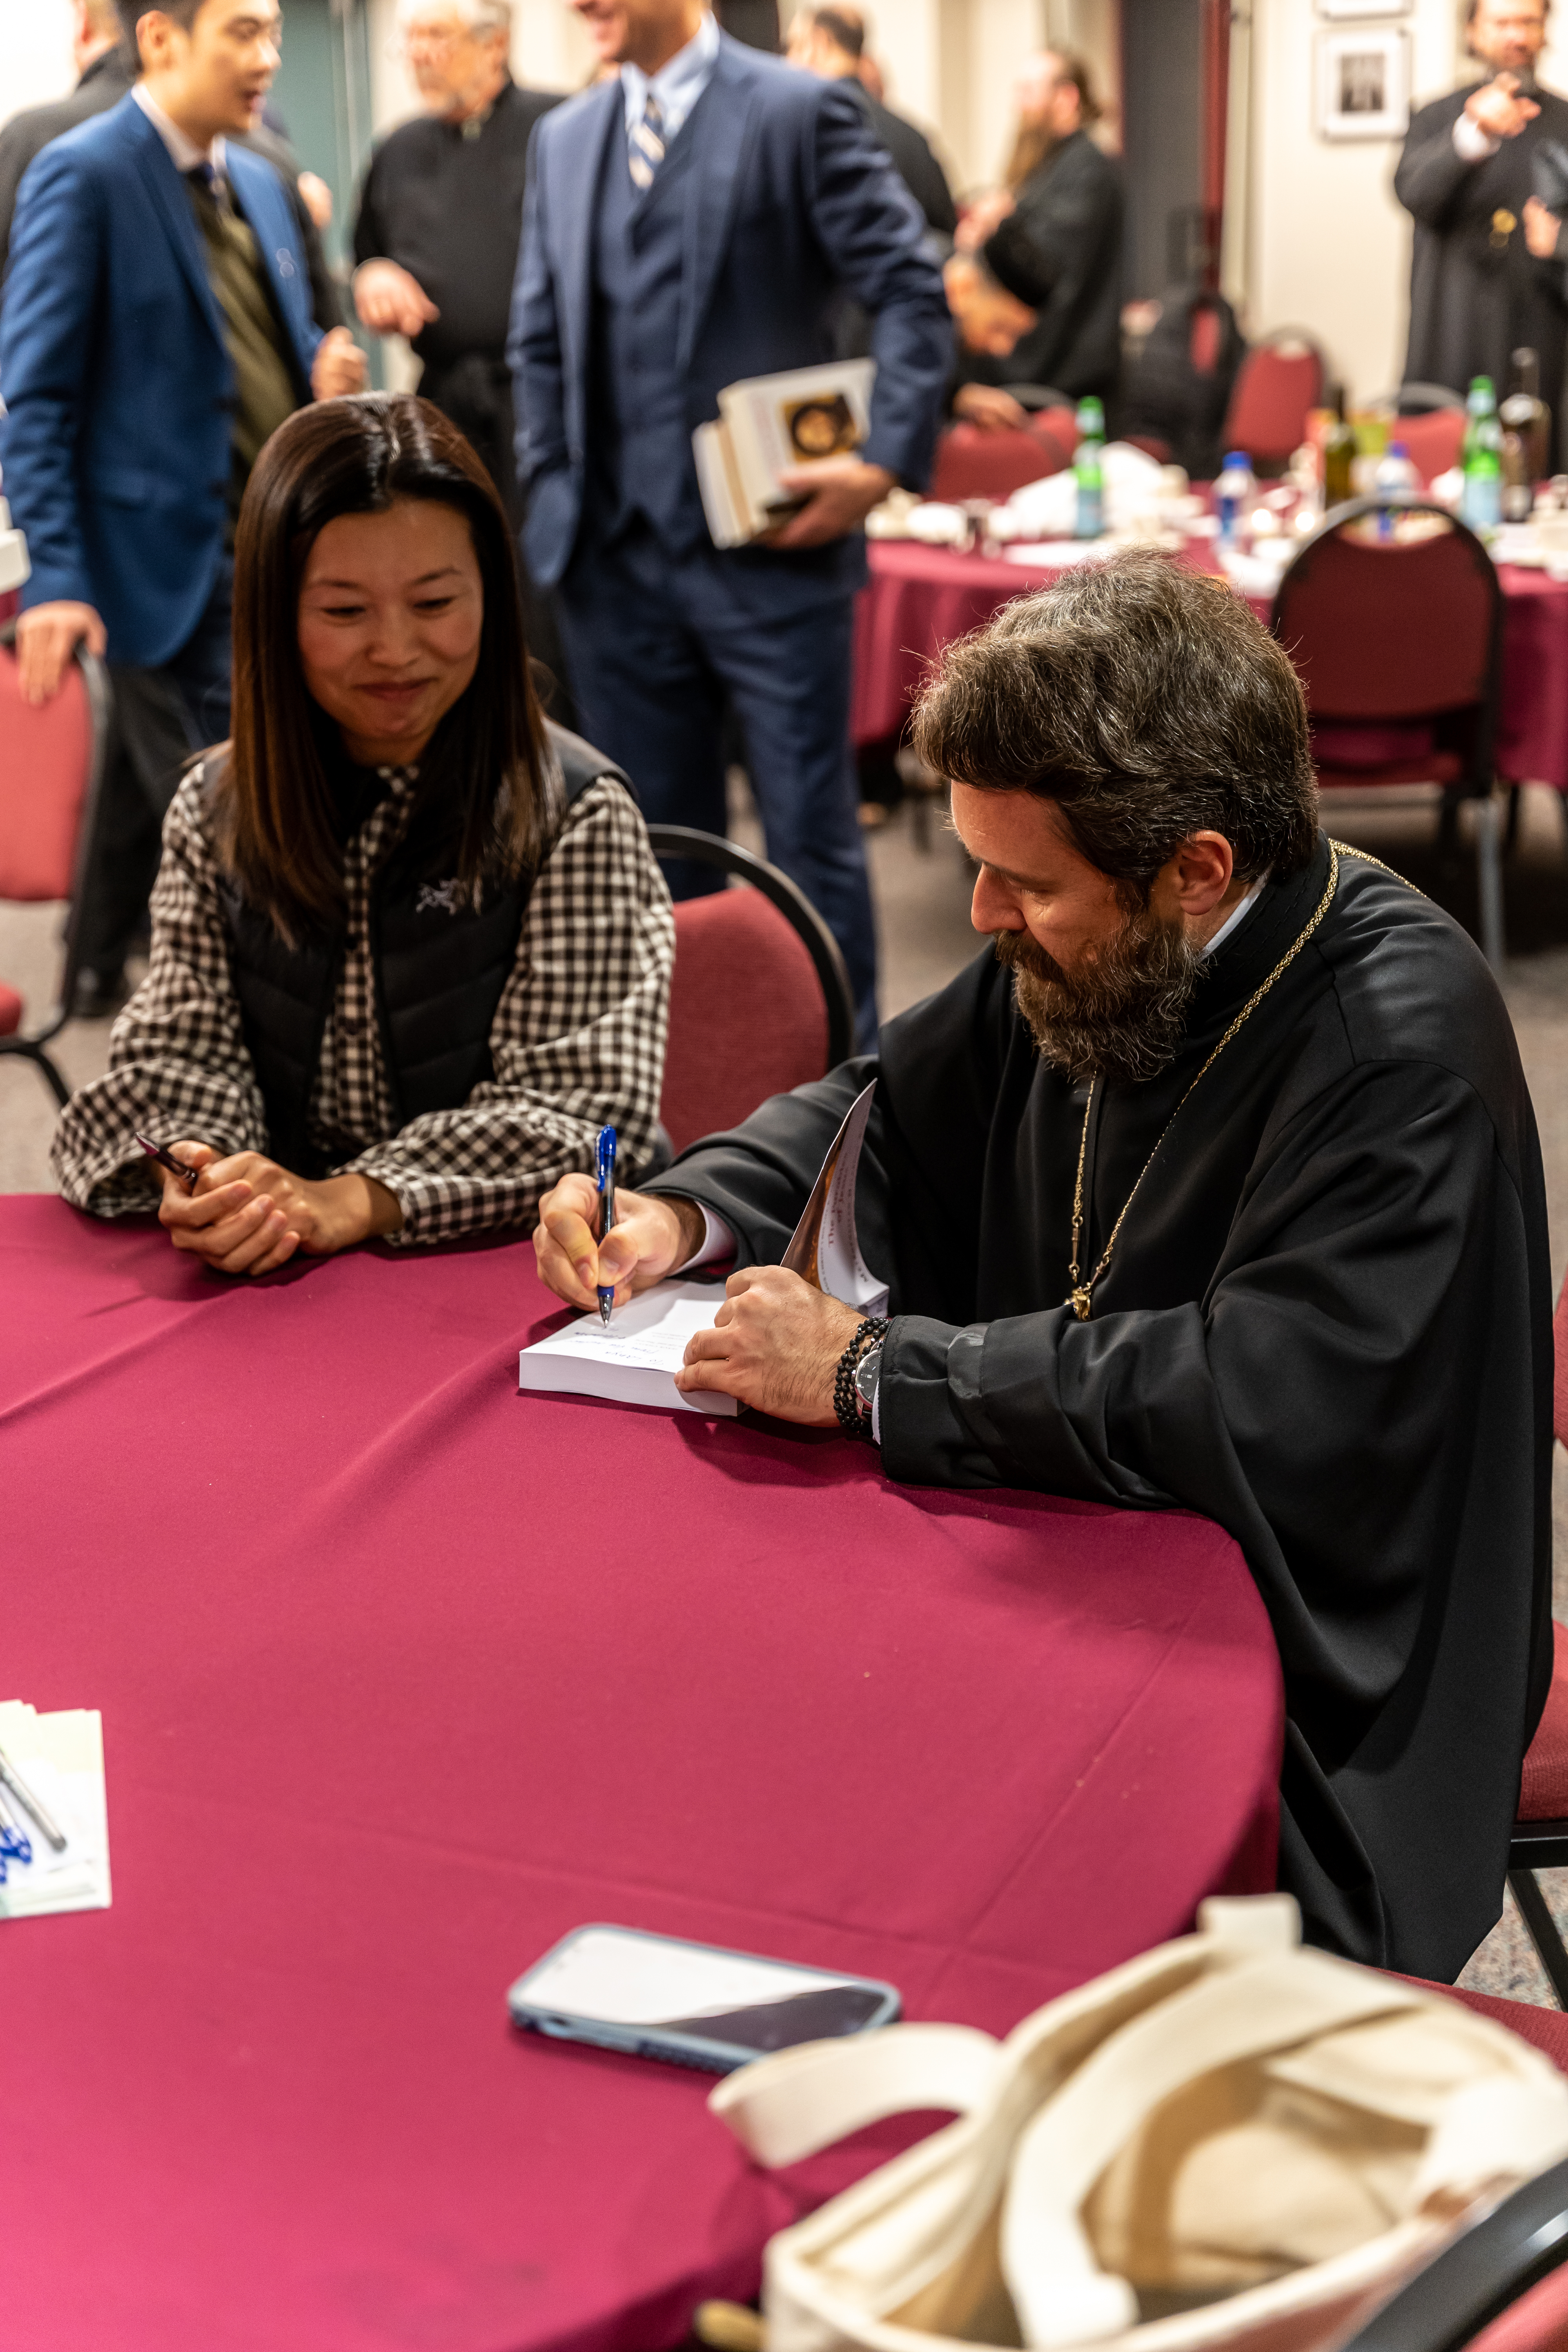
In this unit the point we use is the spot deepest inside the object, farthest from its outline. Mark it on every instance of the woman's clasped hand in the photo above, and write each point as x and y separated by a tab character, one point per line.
247	1215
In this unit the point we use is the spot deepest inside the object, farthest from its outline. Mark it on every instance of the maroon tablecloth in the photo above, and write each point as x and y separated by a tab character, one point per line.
403	1674
920	598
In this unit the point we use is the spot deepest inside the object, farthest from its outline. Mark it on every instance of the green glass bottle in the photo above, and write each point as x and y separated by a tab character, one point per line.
1338	455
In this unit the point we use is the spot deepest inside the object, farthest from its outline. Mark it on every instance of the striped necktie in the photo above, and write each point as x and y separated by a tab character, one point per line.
646	144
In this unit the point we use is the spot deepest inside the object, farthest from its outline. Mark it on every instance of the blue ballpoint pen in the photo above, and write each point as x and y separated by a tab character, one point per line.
607	1166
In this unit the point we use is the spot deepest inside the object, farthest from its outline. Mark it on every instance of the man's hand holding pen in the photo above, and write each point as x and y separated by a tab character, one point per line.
776	1340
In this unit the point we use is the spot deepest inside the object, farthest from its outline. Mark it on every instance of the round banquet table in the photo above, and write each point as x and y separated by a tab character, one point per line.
404	1673
919	599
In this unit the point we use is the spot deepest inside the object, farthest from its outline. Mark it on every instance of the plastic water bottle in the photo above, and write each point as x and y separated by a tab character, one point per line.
1394	478
1480	501
1233	496
1090	471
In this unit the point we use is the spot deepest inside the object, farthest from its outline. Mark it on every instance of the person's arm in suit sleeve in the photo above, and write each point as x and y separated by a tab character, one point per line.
1431	172
53	291
534	344
870	229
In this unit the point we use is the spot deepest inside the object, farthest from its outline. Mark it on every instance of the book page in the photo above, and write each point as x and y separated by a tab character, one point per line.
635	1357
825	1249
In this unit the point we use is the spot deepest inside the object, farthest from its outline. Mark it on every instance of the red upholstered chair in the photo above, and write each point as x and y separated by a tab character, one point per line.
1280	379
1433	440
1399	646
971	464
51	767
760	1000
1540	1839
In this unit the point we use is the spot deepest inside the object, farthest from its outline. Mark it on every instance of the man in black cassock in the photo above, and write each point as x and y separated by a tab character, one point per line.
1217	1185
1476	167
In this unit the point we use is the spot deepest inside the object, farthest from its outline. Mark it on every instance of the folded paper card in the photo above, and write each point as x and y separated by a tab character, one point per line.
634	1359
58	1760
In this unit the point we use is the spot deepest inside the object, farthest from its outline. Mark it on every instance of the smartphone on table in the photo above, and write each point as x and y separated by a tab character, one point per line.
692	2004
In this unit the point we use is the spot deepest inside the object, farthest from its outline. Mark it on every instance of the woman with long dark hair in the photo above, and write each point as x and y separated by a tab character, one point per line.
410	947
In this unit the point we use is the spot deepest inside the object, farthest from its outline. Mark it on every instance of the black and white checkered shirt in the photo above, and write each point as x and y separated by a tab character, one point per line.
577	1042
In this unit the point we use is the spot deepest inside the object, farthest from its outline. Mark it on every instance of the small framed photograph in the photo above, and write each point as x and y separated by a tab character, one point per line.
1363	83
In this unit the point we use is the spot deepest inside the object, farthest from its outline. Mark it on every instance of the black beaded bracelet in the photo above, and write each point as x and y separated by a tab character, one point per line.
845	1403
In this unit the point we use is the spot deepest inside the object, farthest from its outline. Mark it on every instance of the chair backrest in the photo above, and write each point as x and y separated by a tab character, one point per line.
46	759
971	464
1560	1368
1434	440
759	1001
1402	629
1280	380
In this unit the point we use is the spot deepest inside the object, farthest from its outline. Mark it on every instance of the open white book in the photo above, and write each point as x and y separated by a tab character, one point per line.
768	423
633	1358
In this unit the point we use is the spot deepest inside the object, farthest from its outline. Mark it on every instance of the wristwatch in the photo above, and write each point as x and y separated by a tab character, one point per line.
867	1372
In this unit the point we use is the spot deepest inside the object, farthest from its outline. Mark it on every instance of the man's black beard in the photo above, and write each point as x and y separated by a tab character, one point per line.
1121	1016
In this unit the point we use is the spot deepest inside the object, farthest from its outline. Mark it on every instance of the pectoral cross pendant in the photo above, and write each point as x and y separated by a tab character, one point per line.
1081	1302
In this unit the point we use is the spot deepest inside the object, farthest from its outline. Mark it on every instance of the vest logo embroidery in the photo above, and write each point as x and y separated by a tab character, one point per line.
439	898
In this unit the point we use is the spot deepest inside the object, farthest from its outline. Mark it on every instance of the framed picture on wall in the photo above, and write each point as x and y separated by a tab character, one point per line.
1363	83
1343	8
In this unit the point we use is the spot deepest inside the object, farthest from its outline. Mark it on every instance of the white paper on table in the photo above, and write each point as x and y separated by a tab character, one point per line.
825	1249
633	1358
59	1758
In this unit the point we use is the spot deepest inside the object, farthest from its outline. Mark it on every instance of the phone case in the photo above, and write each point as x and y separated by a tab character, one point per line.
676	2048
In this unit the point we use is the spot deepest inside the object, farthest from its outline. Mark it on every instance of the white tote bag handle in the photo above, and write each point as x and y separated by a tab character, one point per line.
1060	2294
788	2105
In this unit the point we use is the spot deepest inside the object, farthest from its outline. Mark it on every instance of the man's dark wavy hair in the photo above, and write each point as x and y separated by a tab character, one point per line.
182	12
1148	703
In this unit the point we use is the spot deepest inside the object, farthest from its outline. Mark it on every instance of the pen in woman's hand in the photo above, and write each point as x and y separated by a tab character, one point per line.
166	1159
605	1158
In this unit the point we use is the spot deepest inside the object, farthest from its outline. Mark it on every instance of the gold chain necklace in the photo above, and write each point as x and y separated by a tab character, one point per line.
1081	1296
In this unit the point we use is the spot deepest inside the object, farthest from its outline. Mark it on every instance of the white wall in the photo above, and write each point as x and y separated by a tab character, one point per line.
34	53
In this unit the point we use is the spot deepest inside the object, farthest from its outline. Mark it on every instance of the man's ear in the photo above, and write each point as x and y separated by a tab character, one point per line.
1202	871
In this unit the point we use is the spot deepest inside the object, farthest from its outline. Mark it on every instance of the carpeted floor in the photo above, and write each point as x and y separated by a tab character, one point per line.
921	887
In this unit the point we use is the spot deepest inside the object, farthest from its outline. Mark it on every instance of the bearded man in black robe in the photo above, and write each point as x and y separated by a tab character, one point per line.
1216	1185
1484	175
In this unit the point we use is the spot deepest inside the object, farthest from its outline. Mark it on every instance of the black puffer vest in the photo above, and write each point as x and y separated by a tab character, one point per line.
440	967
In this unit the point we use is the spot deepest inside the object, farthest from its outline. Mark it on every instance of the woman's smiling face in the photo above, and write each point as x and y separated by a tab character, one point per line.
390	616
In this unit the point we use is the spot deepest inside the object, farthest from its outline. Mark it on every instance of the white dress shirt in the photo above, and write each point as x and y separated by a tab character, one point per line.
184	153
677	86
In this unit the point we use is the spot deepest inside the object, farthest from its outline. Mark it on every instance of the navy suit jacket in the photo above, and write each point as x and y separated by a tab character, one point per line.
116	379
794	203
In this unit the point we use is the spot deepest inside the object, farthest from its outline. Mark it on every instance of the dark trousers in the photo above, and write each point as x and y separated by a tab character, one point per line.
658	645
161	717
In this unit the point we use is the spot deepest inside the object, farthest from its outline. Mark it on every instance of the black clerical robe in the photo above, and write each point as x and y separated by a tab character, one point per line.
1477	292
1070	208
1326	1324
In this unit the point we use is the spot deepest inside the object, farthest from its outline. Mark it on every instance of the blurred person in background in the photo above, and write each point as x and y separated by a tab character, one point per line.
437	238
104	77
686	227
1065	194
831	43
156	329
1482	276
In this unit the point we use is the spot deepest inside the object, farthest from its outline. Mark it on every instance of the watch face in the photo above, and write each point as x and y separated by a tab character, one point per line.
865	1372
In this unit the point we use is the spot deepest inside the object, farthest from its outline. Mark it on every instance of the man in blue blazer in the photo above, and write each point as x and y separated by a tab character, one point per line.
688	225
156	328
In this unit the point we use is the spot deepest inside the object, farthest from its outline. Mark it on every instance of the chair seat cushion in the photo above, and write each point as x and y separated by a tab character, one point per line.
10	1011
1544	1783
1390	754
1545	2029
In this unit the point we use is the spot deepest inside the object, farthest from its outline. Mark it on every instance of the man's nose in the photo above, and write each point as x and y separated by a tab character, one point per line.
993	907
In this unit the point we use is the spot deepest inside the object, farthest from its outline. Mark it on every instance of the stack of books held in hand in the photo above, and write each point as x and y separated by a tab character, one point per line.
766	425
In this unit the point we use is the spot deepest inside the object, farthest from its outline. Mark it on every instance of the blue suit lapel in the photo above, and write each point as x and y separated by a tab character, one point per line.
172	201
717	170
573	211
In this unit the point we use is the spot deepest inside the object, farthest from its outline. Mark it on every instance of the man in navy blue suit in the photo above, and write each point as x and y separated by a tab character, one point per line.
156	329
686	226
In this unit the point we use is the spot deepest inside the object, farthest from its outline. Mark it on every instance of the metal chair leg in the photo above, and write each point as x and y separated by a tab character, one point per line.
1542	1929
41	1061
1510	830
1489	878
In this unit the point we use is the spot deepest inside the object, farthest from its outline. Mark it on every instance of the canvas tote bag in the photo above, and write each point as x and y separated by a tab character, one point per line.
1230	2142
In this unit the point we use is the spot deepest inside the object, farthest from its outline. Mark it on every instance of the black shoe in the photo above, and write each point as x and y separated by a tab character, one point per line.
98	995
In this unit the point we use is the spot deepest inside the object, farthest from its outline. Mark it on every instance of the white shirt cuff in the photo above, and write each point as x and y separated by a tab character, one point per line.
1471	143
718	1242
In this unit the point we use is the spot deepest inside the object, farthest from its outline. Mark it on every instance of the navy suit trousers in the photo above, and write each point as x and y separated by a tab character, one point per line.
657	643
